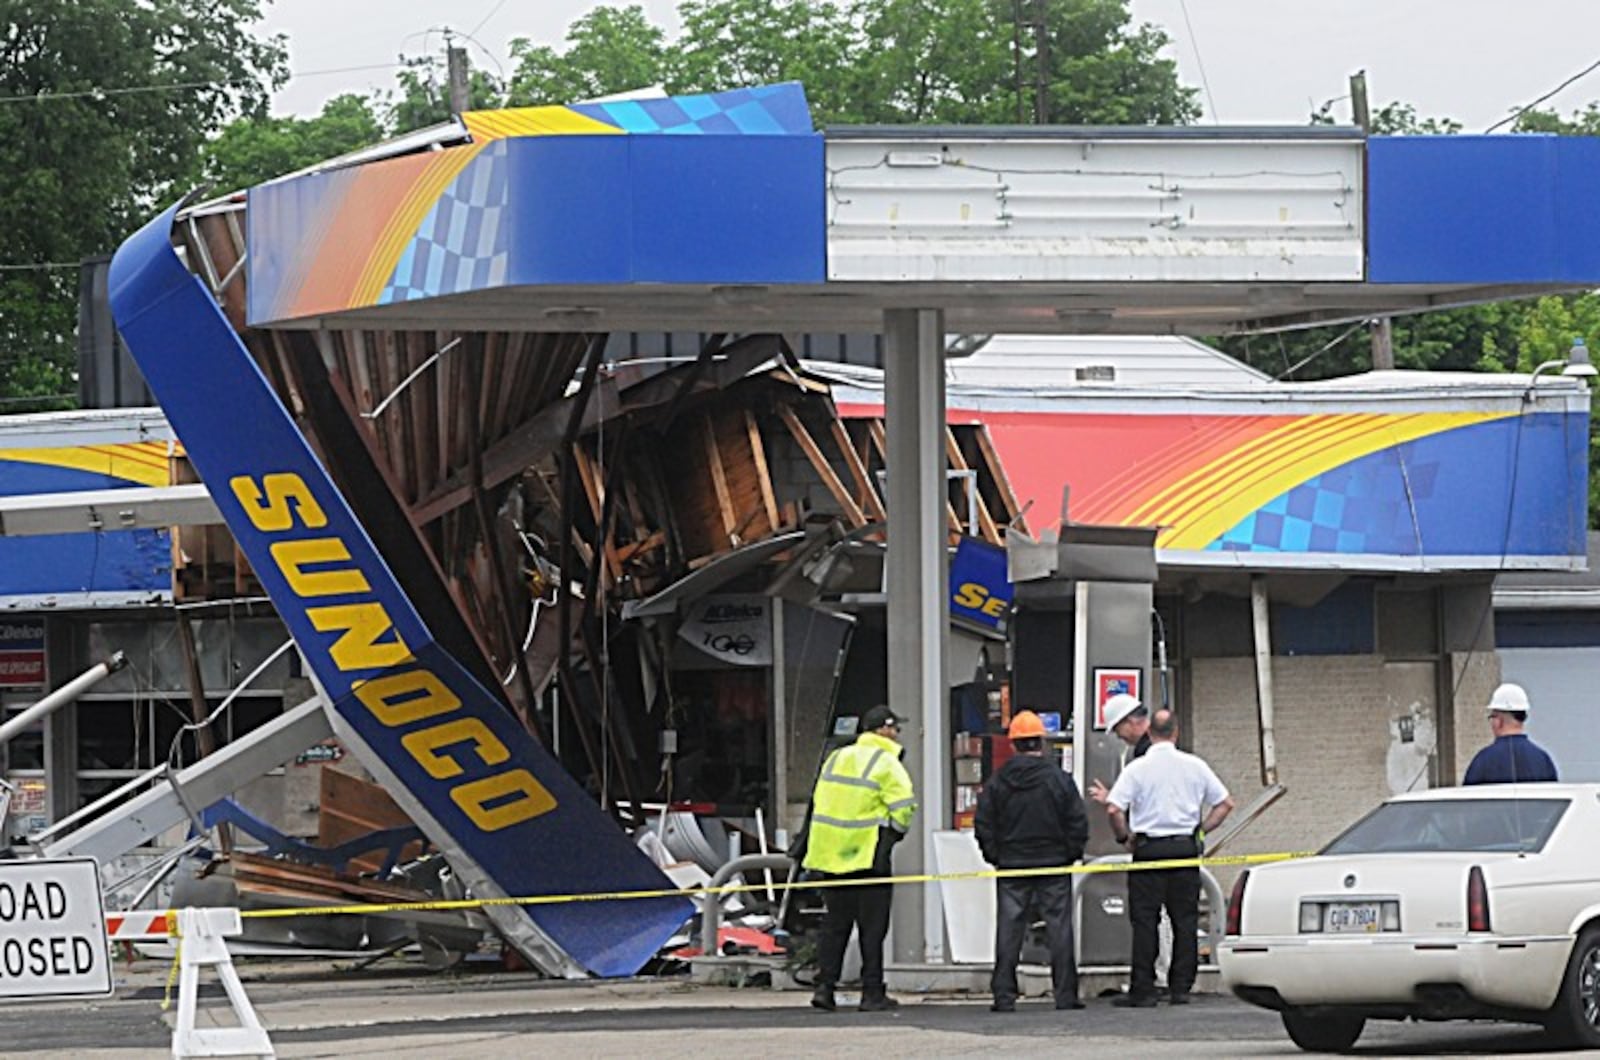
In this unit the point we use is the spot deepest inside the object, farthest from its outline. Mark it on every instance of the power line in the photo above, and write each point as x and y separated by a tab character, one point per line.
484	21
129	90
1330	344
1520	111
1194	44
39	266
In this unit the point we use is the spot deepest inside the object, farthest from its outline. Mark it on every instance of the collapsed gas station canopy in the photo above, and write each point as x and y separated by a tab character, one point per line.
728	212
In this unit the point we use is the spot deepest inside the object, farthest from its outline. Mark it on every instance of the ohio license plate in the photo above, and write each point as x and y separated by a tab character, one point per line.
1339	917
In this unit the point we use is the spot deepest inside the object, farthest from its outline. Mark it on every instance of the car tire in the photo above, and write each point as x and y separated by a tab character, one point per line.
1575	1019
1322	1031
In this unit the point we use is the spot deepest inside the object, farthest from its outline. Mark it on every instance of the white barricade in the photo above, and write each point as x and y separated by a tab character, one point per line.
200	945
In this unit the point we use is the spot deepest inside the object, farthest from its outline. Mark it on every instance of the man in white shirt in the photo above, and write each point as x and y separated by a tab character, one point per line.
1160	805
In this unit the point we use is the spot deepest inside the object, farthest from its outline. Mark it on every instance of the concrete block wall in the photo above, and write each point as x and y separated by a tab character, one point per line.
1475	675
1332	735
1332	729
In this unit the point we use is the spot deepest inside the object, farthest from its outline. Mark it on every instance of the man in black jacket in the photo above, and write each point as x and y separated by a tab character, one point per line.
1030	815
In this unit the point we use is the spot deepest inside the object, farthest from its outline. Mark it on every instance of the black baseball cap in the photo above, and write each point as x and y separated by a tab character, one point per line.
878	717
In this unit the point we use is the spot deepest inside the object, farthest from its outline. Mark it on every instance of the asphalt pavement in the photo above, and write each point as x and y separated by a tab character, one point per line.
325	1012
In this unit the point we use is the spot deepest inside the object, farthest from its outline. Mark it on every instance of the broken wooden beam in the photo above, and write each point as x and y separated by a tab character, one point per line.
858	471
819	463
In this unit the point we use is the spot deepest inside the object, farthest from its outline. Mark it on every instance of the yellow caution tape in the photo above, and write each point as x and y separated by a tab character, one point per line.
177	954
449	904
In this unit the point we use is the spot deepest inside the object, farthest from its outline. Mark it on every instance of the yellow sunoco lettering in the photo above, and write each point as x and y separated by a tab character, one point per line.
971	595
268	505
359	646
293	557
425	745
399	699
517	795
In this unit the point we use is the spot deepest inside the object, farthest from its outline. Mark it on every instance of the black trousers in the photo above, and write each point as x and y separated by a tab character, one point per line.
1179	891
1051	897
865	908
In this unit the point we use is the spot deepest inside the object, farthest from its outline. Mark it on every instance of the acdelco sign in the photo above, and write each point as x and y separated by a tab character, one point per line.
22	654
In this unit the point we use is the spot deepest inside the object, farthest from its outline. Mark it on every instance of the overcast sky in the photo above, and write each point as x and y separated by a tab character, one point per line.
1265	60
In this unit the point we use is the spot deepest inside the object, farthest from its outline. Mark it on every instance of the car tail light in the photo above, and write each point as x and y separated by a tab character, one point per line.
1477	901
1236	904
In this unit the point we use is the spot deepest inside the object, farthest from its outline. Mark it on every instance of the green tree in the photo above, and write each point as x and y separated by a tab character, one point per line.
890	61
609	50
255	149
424	95
731	43
1585	122
104	105
1103	72
945	61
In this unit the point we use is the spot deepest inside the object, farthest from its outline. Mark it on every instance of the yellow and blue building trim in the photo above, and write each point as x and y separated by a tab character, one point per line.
100	569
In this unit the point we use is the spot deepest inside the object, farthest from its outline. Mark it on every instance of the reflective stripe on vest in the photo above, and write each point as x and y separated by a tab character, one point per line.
847	811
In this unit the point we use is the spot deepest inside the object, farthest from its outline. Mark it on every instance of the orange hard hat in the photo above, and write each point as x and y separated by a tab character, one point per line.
1025	724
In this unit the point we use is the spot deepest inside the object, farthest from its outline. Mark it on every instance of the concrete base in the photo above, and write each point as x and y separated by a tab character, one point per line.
1034	979
743	971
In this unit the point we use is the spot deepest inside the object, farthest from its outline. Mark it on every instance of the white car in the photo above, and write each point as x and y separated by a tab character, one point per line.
1479	902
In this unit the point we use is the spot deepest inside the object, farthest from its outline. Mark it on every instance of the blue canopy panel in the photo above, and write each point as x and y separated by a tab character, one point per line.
719	189
1483	209
105	568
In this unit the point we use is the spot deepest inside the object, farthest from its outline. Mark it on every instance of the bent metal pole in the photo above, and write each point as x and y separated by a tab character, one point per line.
62	696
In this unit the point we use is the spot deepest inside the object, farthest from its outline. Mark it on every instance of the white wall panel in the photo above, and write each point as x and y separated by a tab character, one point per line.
1087	209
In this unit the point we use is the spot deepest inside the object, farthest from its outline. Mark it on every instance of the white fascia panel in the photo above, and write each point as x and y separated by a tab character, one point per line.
1086	210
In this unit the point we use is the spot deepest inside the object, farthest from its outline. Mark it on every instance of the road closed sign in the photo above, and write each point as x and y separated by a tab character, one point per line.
52	930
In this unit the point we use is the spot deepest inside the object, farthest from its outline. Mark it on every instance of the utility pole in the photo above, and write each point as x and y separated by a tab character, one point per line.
1359	112
456	65
1382	330
1041	71
1016	56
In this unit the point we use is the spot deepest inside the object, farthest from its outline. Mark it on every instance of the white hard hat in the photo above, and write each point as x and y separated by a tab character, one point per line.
1509	697
1119	707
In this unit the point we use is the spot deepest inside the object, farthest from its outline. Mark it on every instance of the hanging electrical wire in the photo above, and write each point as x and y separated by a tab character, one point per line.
102	92
1520	111
1194	45
1324	348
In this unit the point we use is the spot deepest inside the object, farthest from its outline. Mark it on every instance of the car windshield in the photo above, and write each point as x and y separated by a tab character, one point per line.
1453	825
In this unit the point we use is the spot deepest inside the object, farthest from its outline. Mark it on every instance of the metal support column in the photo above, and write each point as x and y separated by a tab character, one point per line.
1261	626
917	612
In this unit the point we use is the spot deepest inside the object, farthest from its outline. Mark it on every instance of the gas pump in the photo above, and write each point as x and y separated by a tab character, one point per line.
1101	578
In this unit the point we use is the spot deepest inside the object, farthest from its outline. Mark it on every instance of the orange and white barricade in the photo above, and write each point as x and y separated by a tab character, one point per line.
140	925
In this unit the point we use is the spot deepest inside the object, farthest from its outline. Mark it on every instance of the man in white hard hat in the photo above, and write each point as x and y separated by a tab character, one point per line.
1128	718
1512	758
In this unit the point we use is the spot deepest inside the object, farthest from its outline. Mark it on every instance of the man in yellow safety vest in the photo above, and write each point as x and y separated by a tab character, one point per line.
862	806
